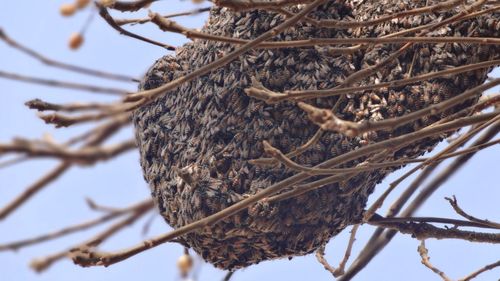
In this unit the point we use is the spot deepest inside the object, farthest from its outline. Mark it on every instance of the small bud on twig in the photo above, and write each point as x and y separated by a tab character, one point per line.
75	40
80	4
67	9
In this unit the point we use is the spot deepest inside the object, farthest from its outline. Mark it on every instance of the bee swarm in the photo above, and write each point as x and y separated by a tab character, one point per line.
195	141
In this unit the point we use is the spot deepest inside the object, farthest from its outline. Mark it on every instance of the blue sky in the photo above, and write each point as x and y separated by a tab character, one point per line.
119	182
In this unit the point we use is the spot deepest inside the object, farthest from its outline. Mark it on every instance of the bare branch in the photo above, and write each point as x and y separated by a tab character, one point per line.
339	271
425	230
42	264
328	121
476	273
69	67
454	204
129	6
380	238
62	84
424	254
41	105
103	12
100	134
74	228
82	156
241	5
145	20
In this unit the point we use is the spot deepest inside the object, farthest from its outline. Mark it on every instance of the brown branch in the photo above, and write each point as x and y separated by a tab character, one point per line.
377	242
296	152
339	271
62	84
423	230
103	12
74	228
63	120
485	102
364	151
100	208
42	264
145	20
366	166
424	254
242	5
101	134
69	67
454	222
476	273
261	93
228	276
13	161
147	96
82	156
33	189
328	121
41	105
445	5
458	210
380	238
129	6
108	111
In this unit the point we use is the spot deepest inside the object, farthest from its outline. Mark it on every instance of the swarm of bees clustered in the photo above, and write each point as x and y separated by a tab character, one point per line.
195	141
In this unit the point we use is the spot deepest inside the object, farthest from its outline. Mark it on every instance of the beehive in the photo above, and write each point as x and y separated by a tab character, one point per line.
208	128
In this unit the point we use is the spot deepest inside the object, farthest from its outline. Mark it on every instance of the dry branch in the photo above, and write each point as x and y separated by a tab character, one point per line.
381	238
103	12
75	228
65	66
62	84
100	135
424	254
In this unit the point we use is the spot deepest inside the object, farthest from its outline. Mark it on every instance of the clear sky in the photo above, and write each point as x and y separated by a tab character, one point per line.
119	182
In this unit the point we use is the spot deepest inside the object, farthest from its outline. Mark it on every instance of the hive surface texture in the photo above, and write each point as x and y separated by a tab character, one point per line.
195	141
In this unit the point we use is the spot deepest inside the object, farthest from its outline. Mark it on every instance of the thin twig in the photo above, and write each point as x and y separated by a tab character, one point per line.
42	264
327	120
242	5
62	84
82	156
339	271
145	20
458	210
74	228
424	254
103	12
101	134
51	176
41	105
423	230
476	273
363	151
228	276
380	238
69	67
130	6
